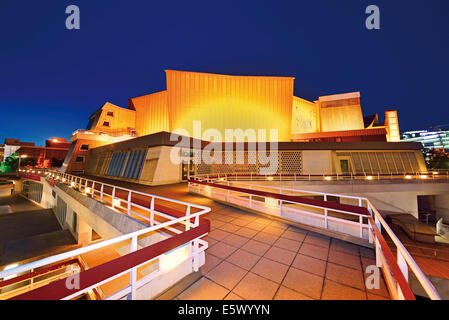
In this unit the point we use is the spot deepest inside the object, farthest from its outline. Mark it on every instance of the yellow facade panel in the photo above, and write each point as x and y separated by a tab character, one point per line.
304	116
151	113
228	102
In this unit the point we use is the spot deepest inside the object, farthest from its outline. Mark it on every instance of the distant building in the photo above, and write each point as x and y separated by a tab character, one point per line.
12	145
52	155
429	139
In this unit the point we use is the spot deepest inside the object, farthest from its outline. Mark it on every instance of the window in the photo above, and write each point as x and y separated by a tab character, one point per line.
84	147
106	124
79	159
110	113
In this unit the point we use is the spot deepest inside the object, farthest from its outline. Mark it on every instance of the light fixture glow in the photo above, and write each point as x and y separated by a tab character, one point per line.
408	177
116	202
72	184
423	176
369	178
170	260
87	190
328	178
270	178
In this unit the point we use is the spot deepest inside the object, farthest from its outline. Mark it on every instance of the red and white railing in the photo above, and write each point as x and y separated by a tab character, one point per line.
181	218
130	202
395	270
127	264
432	175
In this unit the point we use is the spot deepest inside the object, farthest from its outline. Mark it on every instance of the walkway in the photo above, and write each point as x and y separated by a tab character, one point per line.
251	257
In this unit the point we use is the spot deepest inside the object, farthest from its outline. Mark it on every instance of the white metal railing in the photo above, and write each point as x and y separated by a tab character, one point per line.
98	190
310	214
196	246
431	175
404	259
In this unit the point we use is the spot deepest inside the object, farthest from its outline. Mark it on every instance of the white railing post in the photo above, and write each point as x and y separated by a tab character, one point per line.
133	273
93	189
129	202
113	196
361	226
152	212
196	255
402	265
101	192
188	220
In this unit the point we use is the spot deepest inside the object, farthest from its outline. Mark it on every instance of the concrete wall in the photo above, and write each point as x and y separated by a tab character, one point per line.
317	162
442	207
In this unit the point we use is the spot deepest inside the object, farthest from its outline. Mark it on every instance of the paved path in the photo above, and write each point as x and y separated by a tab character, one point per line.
252	257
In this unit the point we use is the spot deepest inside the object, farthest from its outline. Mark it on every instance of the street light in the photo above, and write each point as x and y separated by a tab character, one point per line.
20	157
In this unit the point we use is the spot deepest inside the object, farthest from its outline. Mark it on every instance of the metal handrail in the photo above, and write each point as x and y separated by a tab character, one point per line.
404	254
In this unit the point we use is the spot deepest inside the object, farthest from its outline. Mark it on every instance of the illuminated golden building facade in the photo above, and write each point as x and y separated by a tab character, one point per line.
221	102
242	102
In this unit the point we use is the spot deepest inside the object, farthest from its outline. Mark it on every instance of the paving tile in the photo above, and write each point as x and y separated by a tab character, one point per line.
225	218
256	247
314	251
345	275
317	240
273	230
221	250
366	252
304	282
235	240
216	223
336	291
240	222
345	259
204	289
345	247
243	259
309	264
246	232
285	293
270	269
382	289
280	255
211	262
226	274
376	297
255	226
293	235
265	237
210	241
254	287
288	244
229	227
218	234
233	296
263	221
279	225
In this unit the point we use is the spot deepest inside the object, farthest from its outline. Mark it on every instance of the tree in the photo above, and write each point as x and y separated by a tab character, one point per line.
437	159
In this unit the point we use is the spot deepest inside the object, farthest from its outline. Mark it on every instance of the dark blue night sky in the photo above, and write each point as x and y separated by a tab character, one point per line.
52	79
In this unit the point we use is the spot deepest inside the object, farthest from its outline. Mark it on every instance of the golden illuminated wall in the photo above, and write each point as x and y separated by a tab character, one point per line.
305	116
151	113
119	120
392	125
222	102
341	112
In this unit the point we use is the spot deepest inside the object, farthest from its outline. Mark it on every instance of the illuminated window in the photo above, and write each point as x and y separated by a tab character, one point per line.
110	113
106	124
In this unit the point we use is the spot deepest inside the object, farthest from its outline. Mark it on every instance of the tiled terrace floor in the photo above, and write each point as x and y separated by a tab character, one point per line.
252	257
